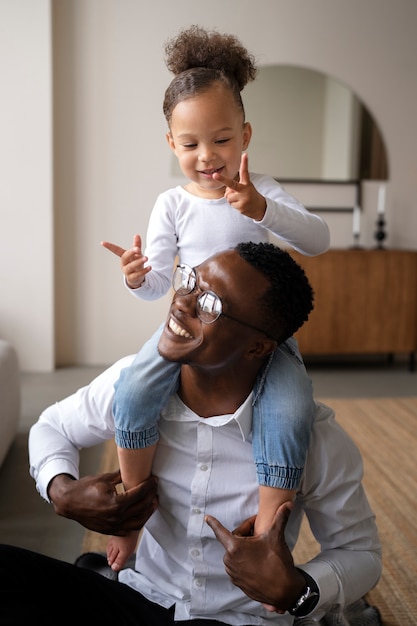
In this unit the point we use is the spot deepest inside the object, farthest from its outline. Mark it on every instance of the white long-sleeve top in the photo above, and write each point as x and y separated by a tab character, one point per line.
205	466
194	228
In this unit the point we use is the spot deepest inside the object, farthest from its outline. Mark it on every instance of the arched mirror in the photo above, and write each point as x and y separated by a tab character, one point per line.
309	126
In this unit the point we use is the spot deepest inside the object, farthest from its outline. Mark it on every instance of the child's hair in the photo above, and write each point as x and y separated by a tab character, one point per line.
285	306
198	58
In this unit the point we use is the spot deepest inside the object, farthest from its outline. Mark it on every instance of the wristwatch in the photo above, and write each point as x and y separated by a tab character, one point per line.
308	599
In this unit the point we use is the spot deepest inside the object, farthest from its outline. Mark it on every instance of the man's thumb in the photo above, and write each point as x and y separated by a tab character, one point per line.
281	518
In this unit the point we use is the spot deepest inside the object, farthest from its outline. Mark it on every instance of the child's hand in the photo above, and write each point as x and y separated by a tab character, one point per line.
241	194
132	261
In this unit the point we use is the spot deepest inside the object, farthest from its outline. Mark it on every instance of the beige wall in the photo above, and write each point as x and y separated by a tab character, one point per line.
111	159
26	217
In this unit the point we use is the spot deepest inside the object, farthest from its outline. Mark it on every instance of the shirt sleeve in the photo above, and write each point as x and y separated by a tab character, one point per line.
285	217
289	220
161	249
81	420
340	517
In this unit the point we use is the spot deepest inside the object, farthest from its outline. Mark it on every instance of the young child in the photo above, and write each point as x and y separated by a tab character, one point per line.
221	206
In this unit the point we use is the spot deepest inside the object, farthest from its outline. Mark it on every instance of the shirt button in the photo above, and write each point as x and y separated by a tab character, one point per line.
197	511
198	582
195	552
204	468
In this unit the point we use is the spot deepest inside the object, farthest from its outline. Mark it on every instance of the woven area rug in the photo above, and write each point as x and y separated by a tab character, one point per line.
385	430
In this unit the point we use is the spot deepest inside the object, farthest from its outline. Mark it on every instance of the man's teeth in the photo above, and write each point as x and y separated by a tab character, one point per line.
177	330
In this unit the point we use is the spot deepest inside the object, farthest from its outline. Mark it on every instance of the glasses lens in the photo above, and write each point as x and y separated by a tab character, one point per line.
183	280
209	307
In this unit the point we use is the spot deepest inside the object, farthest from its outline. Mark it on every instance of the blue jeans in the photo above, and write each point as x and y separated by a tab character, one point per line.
283	409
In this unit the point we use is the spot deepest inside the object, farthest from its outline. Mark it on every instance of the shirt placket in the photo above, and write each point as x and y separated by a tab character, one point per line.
198	503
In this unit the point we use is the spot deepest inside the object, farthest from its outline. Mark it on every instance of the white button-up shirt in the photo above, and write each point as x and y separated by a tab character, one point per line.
205	466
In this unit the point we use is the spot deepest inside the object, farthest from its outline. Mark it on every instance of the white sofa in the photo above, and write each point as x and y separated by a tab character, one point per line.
9	396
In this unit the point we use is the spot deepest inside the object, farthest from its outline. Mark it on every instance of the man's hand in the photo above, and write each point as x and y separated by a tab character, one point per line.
241	194
132	261
92	501
261	566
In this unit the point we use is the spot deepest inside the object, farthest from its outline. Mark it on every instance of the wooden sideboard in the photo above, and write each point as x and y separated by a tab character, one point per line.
365	303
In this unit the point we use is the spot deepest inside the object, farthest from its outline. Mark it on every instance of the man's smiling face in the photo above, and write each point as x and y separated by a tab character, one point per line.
186	339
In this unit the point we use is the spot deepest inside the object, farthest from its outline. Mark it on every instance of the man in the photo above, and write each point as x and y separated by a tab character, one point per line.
206	478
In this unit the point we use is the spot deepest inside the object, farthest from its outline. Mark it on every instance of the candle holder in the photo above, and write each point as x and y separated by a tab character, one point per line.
380	234
356	245
356	226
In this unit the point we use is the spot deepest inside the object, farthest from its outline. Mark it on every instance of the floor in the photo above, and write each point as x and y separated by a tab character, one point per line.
27	521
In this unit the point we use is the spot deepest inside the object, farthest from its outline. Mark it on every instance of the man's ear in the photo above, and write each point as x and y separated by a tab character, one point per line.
261	348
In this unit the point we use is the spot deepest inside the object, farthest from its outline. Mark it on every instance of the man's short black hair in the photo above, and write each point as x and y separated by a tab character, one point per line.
286	305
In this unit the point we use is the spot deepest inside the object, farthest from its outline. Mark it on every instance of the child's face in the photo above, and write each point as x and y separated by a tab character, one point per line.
208	135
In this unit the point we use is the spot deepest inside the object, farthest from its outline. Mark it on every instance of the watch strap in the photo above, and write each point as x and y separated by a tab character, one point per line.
308	599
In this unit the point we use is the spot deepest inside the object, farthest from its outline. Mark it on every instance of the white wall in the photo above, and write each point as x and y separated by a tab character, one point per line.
111	159
26	218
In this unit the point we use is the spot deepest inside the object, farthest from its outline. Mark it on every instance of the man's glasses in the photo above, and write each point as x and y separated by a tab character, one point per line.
208	304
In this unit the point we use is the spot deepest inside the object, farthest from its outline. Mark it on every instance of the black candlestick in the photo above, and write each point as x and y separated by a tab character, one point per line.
380	233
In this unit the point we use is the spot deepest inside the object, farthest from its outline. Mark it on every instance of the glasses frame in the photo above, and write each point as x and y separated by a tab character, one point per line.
185	291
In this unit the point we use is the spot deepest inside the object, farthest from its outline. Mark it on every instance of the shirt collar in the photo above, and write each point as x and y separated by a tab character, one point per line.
242	416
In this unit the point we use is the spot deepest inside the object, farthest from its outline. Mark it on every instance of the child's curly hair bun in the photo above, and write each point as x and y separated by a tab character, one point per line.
198	47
